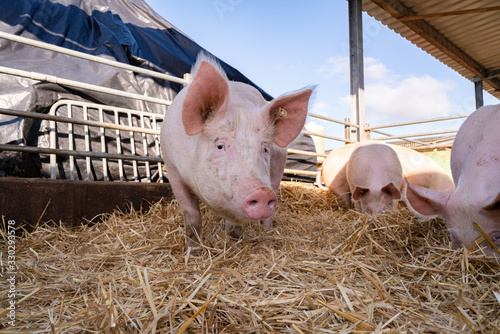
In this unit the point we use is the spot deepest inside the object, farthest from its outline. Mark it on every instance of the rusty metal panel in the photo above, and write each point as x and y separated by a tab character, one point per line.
30	200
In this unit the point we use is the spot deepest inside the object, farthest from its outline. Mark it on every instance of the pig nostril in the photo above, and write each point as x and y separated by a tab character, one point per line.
260	204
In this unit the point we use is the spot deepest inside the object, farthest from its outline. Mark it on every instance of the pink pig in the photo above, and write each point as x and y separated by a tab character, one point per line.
225	145
475	166
375	178
374	174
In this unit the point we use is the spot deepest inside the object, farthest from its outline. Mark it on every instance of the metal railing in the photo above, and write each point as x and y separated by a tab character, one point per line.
154	120
421	140
93	118
139	129
140	136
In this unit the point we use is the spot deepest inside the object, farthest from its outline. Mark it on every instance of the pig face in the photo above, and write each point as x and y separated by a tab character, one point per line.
233	160
376	199
475	165
224	144
460	212
375	178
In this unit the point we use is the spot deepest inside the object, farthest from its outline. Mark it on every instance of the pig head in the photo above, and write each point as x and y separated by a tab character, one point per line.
375	178
377	174
225	145
475	166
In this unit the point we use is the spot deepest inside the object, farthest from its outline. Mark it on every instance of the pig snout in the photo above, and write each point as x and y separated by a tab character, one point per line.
260	204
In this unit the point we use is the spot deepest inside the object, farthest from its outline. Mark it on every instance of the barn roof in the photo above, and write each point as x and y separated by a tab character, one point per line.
463	34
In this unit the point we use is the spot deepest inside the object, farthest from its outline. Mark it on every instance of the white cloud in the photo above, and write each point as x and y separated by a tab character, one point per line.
411	98
337	66
320	108
390	97
375	70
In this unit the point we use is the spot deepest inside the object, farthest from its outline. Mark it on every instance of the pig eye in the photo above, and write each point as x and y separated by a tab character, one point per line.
495	207
496	237
265	149
221	147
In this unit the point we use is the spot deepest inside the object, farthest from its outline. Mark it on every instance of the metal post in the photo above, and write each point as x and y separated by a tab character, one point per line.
478	88
356	64
347	130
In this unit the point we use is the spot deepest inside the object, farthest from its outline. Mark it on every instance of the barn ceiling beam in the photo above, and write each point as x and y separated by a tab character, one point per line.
398	10
451	13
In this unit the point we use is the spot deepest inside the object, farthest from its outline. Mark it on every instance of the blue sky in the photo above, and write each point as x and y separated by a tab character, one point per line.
283	46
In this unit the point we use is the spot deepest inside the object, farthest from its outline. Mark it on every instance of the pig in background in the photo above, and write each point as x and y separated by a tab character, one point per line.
372	174
225	145
475	167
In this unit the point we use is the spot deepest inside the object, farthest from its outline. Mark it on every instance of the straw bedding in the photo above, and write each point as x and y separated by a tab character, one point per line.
319	269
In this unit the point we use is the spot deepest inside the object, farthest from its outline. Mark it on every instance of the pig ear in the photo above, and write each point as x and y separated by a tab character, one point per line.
493	204
359	192
392	191
289	113
207	95
426	202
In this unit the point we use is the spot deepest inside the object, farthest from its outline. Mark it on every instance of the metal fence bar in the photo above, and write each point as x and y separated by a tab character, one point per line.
97	155
333	120
52	144
300	171
87	142
103	146
145	149
71	146
422	134
157	147
429	120
132	149
66	82
119	147
404	139
312	133
69	52
309	153
49	117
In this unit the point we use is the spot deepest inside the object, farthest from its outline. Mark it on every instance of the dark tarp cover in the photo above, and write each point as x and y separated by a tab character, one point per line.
125	31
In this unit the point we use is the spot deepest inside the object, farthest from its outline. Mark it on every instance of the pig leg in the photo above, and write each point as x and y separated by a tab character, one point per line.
189	205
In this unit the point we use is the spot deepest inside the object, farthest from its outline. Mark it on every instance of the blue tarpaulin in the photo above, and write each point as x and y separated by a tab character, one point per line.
125	31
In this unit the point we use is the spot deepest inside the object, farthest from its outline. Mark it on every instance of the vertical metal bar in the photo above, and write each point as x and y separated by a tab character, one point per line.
87	141
71	145
119	146
132	148
347	130
103	146
367	131
145	148
187	77
158	152
356	66
478	88
53	144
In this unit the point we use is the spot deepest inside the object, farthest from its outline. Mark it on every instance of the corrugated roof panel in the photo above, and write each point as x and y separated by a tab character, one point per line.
475	34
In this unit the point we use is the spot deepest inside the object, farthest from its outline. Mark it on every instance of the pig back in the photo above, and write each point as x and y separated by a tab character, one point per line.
475	155
334	168
423	171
